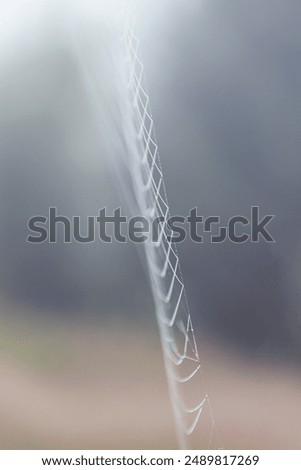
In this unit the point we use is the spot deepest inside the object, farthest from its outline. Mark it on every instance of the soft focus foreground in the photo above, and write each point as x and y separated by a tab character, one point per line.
78	387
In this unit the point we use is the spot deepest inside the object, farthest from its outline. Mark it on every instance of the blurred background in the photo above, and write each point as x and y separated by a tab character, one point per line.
80	359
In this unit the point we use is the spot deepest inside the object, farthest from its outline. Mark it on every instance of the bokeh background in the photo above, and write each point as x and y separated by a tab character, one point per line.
80	357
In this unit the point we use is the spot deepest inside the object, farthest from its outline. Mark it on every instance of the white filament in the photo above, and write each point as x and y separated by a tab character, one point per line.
177	335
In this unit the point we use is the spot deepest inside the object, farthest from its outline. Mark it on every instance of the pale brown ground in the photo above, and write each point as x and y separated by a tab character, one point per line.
74	387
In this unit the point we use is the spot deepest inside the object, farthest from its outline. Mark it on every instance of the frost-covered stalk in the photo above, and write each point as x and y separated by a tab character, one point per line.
180	351
115	81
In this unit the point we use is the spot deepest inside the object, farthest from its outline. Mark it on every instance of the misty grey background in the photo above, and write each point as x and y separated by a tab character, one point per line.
224	79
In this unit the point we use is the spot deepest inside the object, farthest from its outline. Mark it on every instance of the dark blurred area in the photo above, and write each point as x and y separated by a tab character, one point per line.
224	79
